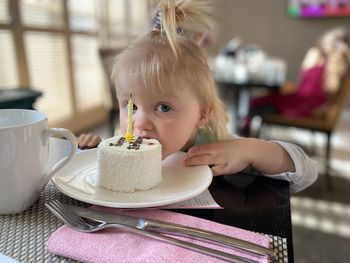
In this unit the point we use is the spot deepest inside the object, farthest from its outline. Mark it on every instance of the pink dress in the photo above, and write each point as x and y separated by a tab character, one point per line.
309	95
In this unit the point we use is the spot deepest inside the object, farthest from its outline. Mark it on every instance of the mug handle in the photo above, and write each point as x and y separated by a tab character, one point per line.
60	132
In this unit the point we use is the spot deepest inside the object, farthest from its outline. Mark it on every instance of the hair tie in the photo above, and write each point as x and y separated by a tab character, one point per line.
157	20
156	23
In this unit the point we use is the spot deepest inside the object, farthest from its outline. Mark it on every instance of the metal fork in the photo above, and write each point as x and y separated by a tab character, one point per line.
76	222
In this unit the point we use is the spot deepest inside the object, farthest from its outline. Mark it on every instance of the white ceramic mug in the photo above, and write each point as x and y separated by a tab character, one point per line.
24	155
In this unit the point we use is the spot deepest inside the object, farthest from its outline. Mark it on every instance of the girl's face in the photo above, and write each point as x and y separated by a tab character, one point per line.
171	118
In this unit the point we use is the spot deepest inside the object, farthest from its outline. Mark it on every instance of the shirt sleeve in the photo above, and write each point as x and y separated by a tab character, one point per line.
305	169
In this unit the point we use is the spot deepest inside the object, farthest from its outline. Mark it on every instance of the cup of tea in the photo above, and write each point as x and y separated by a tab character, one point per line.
24	155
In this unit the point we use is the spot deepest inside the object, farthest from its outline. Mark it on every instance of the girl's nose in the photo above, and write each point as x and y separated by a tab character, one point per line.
142	123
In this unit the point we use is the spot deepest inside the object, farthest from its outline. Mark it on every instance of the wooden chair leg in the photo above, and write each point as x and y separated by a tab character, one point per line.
313	144
327	162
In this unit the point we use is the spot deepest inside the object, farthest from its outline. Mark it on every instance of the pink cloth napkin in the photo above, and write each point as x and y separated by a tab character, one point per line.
115	245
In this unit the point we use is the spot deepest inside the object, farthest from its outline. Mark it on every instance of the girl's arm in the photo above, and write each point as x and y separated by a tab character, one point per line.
237	154
268	157
274	159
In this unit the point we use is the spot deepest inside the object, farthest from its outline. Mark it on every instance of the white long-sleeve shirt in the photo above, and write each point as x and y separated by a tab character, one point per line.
305	170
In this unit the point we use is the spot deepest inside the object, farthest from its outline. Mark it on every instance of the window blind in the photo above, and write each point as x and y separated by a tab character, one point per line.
88	74
8	67
116	14
47	60
4	14
42	13
83	16
139	17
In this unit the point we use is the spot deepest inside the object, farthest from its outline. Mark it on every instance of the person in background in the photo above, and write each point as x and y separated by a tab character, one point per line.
176	102
321	72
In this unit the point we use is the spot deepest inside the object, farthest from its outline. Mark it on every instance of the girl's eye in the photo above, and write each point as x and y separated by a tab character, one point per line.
163	108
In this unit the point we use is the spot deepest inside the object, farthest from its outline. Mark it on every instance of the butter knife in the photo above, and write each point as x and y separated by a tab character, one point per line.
174	229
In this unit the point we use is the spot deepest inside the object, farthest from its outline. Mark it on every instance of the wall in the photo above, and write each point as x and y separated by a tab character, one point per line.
266	23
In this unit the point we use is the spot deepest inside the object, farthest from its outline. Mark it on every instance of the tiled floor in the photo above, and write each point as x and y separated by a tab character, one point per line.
321	219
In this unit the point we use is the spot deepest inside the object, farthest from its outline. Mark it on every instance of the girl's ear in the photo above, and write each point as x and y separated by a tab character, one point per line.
203	119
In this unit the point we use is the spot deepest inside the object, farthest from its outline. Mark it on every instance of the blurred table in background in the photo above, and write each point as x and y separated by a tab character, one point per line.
18	98
237	97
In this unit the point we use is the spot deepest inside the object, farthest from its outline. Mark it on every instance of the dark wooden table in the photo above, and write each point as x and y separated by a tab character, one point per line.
251	202
18	98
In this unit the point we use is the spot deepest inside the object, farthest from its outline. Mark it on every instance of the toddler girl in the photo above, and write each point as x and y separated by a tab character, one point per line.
176	102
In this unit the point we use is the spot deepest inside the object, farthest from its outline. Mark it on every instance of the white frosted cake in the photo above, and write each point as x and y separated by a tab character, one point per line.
127	167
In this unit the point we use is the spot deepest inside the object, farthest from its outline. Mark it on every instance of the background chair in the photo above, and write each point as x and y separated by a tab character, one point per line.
107	56
323	120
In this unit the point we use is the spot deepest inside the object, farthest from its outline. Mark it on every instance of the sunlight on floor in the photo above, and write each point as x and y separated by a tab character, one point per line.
328	217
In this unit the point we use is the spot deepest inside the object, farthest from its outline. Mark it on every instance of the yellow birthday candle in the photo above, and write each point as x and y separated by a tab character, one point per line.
128	135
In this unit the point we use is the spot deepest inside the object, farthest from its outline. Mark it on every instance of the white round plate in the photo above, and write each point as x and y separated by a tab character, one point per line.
179	183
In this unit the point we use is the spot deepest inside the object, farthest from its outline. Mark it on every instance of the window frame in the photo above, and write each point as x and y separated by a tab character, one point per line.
80	120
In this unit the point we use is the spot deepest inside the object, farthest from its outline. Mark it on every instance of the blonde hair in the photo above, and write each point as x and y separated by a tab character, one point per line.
170	53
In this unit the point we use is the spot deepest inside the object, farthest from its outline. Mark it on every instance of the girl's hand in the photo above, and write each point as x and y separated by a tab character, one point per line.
232	156
88	140
224	157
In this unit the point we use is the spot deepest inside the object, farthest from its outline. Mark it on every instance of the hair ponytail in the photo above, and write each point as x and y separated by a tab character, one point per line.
181	18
